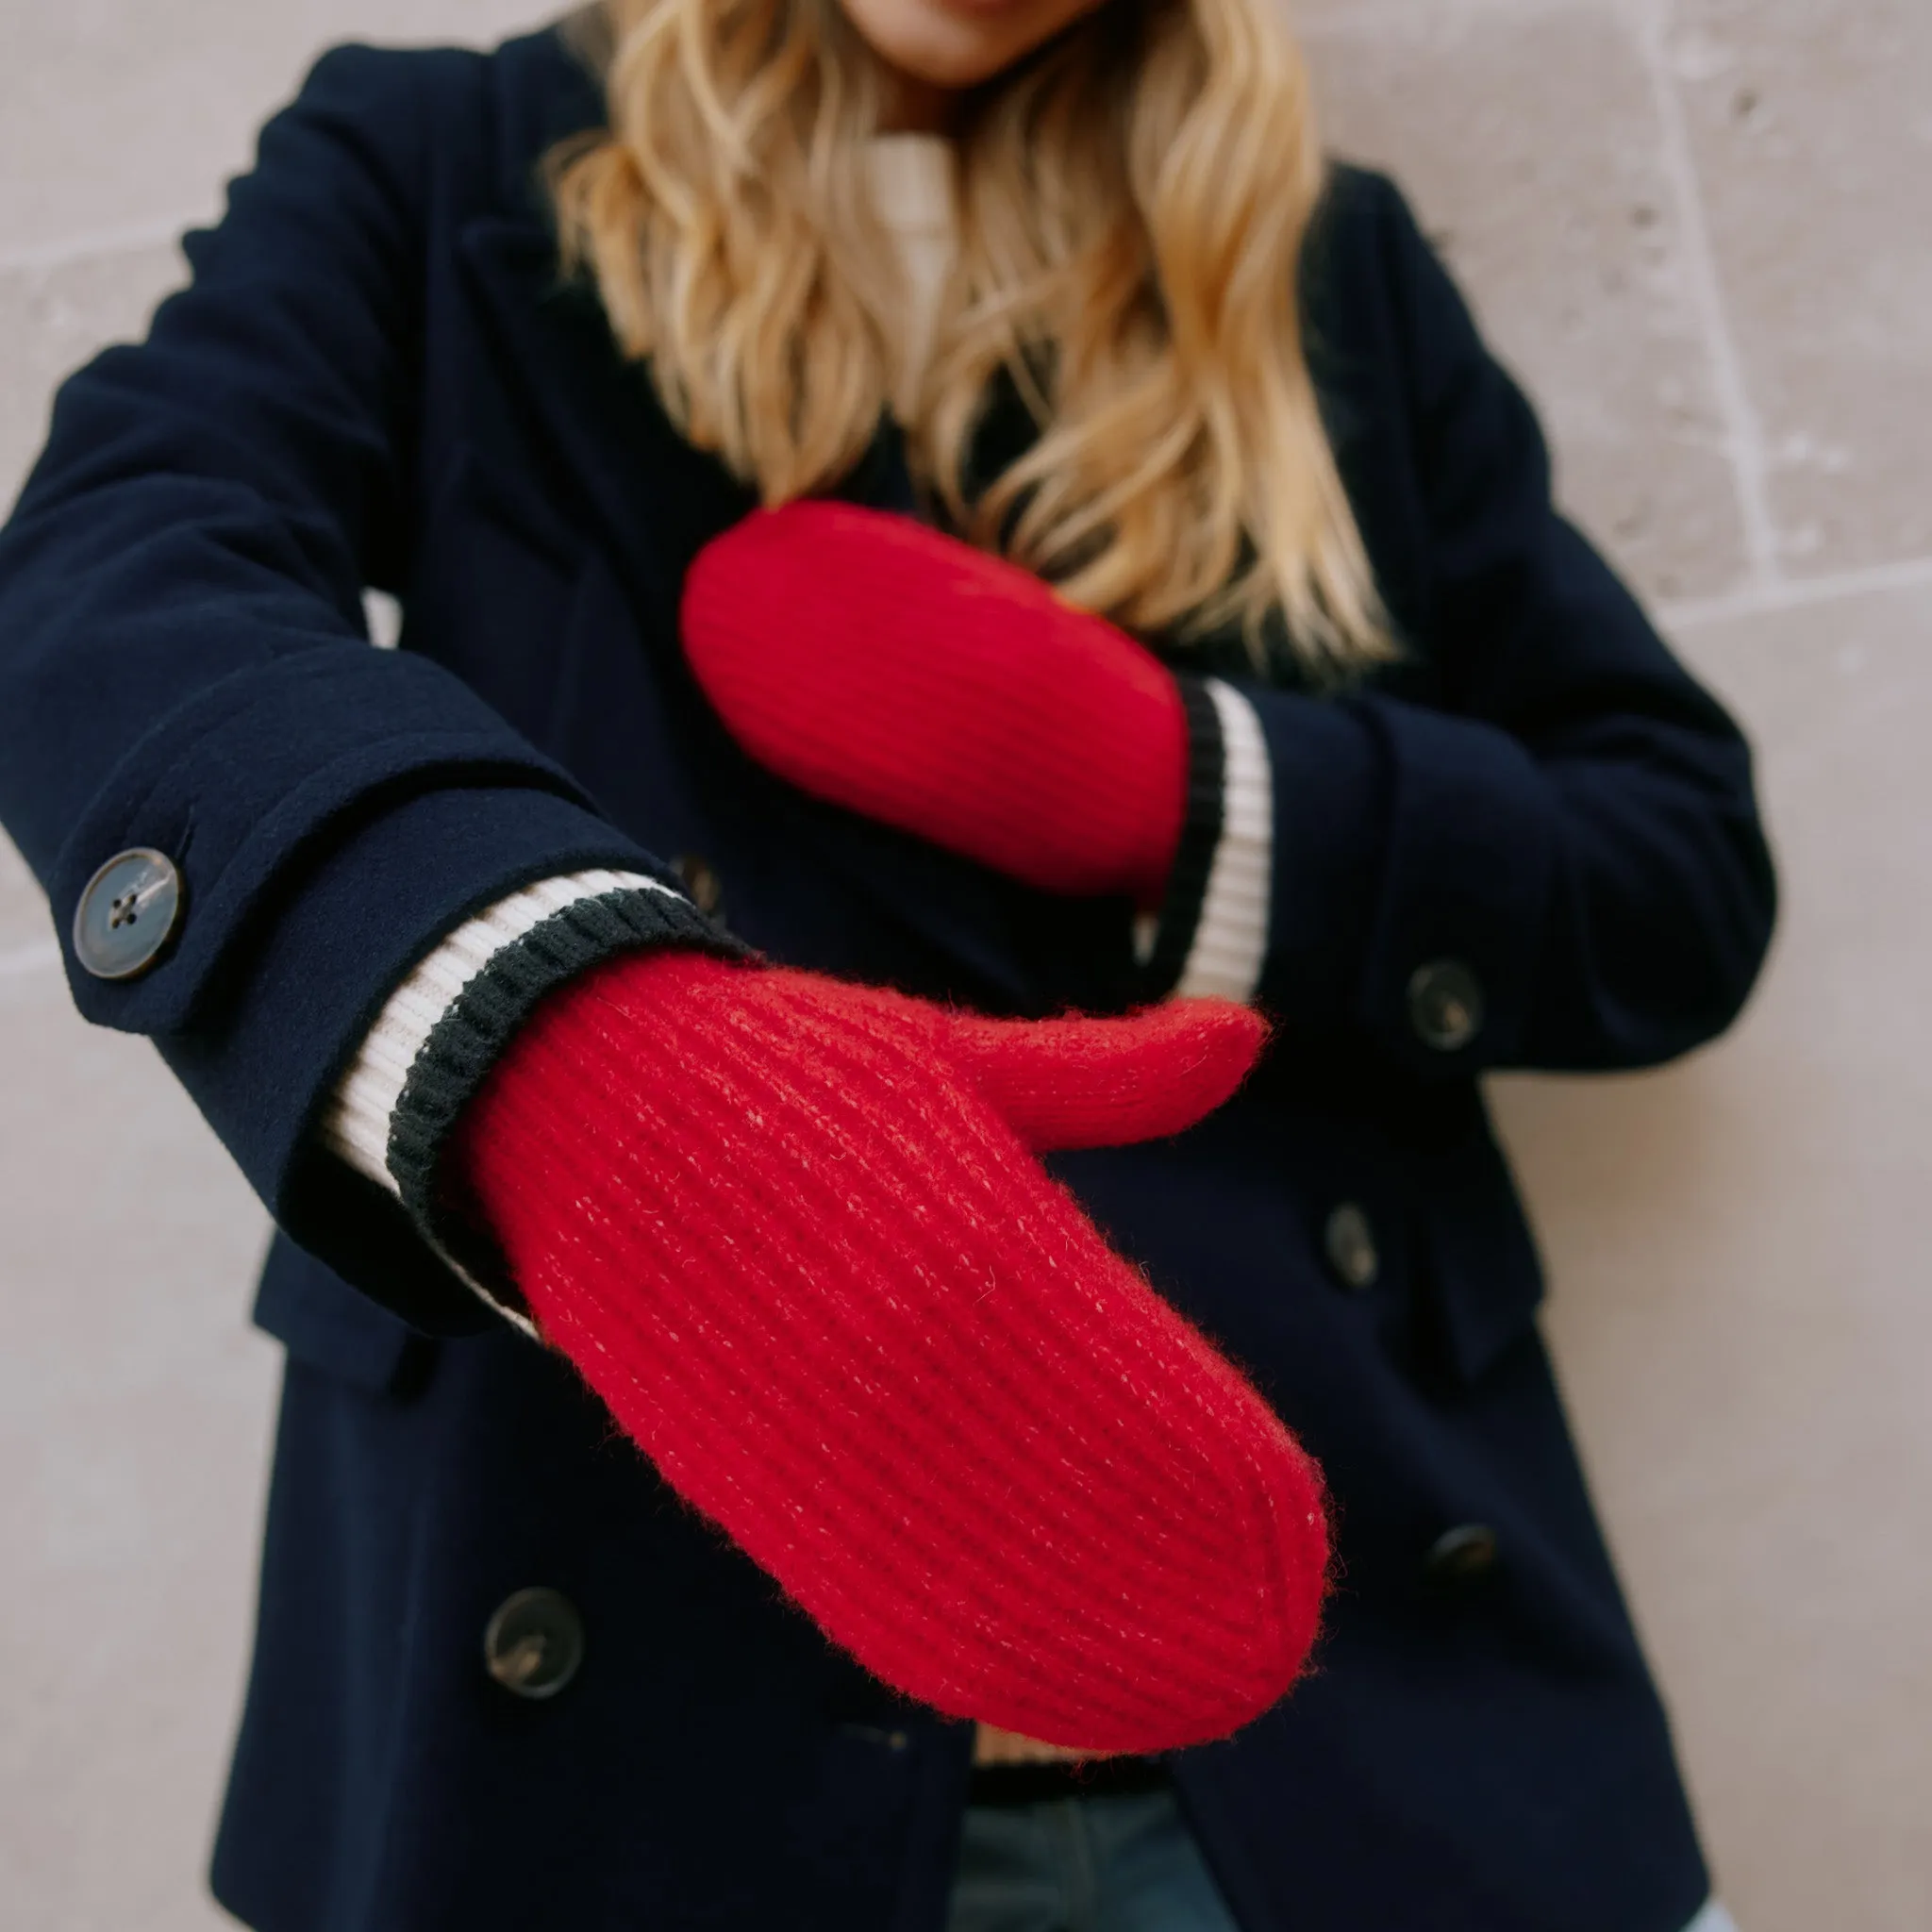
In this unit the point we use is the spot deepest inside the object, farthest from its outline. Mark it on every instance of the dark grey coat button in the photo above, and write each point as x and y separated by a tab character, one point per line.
1461	1556
534	1642
702	885
127	913
1349	1242
1445	1005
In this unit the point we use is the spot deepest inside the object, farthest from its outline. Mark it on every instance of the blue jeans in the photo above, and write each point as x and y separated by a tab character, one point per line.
1102	1864
1112	1864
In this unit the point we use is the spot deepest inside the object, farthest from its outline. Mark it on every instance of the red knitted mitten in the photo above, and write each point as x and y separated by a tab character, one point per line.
900	672
791	1232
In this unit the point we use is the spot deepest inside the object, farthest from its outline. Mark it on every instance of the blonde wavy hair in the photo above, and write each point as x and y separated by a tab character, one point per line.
1133	202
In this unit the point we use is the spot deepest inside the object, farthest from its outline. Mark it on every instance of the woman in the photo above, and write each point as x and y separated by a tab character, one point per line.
1328	711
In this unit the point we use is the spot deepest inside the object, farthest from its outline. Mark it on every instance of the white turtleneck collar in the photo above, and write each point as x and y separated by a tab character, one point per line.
912	188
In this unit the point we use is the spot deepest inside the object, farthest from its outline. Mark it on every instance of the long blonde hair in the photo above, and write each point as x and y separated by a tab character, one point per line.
1133	201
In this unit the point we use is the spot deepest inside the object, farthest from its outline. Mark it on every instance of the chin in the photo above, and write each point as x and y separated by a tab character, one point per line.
951	43
953	62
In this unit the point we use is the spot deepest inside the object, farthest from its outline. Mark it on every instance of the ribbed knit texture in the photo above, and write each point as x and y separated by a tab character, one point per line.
1230	929
356	1126
1174	931
464	1045
793	1234
911	178
900	672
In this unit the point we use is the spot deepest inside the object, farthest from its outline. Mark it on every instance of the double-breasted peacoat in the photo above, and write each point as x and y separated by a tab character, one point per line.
1529	843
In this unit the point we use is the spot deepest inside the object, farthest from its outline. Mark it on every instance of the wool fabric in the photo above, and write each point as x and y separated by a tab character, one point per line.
793	1234
896	671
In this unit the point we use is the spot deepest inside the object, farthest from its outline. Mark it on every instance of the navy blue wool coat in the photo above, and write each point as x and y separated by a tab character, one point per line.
378	378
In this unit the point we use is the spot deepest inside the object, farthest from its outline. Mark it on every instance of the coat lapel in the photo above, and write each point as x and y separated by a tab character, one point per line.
655	502
656	499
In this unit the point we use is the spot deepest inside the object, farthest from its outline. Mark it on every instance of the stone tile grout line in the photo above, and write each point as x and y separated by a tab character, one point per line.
1796	593
1744	430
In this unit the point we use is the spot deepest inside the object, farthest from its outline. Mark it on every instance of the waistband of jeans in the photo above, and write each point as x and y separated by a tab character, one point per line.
1039	1784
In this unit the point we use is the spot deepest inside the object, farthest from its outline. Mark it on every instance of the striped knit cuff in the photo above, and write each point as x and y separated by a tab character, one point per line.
1168	937
444	1026
1230	943
1213	934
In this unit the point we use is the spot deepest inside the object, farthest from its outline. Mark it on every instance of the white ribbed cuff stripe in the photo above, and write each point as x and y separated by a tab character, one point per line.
1713	1917
1231	941
356	1126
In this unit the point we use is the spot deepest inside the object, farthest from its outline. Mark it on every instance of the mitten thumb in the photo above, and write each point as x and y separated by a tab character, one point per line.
1105	1083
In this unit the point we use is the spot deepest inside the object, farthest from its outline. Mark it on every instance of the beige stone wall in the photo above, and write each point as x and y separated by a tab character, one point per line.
1703	230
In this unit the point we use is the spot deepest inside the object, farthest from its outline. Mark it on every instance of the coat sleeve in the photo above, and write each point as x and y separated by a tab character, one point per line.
1556	863
183	662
